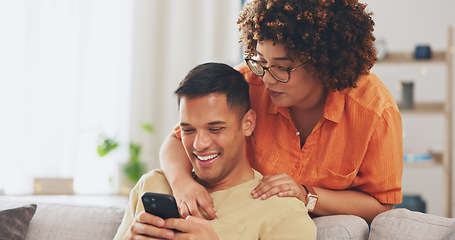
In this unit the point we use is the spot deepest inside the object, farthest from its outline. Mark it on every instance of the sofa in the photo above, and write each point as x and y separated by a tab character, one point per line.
63	221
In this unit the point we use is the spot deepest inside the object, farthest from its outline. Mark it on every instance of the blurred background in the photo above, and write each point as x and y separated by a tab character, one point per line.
74	70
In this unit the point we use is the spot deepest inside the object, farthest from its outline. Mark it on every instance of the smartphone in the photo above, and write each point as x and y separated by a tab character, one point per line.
161	205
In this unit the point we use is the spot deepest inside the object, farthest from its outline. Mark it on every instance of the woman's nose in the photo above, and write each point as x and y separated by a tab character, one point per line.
268	79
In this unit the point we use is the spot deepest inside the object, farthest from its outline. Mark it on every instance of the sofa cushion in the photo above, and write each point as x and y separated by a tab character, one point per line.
341	227
14	222
402	223
450	235
62	221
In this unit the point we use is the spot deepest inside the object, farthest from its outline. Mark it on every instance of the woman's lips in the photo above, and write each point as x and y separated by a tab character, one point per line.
274	93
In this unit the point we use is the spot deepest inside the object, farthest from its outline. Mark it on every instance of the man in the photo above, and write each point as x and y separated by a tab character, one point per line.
215	122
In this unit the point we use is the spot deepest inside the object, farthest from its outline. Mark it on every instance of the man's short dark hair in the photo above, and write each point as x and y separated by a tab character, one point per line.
220	78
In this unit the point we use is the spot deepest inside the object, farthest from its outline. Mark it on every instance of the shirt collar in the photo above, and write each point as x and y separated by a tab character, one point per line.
334	105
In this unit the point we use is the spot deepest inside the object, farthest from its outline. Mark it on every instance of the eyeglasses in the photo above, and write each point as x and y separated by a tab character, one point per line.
280	74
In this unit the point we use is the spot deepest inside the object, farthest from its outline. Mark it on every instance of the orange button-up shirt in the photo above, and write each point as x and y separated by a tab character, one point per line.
357	144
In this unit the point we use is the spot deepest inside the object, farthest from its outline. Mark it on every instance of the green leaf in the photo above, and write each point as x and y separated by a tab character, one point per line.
134	171
106	146
148	127
135	150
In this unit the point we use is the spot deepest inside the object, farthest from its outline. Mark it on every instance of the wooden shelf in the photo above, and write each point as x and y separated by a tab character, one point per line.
425	108
421	164
441	160
436	161
408	57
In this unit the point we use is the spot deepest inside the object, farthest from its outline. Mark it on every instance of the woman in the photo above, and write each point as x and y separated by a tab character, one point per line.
328	131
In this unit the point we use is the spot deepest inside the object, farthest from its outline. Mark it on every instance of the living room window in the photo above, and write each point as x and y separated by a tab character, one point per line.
64	79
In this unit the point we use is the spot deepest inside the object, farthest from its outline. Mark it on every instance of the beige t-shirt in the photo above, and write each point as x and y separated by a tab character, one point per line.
240	216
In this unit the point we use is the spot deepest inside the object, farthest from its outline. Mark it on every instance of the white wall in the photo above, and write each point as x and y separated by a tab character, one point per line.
170	38
403	24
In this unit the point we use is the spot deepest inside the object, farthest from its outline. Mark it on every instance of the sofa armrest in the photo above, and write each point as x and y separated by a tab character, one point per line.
341	227
69	221
402	223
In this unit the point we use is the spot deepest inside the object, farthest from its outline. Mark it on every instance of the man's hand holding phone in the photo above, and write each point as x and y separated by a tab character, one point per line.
148	226
161	220
151	223
191	228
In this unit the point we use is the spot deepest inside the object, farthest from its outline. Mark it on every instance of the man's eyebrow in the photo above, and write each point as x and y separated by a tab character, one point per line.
216	122
183	124
276	58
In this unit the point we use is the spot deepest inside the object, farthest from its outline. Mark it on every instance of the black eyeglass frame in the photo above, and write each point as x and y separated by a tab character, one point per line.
289	70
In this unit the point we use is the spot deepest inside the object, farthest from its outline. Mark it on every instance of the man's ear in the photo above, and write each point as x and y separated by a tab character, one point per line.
249	122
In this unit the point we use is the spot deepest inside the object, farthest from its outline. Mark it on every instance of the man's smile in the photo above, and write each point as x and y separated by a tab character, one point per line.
207	159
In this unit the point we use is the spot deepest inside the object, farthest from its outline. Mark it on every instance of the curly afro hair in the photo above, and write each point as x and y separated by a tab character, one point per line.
333	37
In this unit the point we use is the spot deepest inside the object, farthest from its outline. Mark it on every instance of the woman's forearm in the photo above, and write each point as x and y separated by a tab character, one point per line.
174	161
177	168
332	202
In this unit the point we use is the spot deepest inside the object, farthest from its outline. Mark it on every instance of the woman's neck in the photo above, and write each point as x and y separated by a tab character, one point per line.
305	116
313	103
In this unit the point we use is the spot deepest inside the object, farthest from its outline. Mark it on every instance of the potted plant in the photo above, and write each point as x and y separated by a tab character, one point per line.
134	168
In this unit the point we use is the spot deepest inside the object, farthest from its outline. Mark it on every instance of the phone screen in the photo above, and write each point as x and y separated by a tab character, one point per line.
161	205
